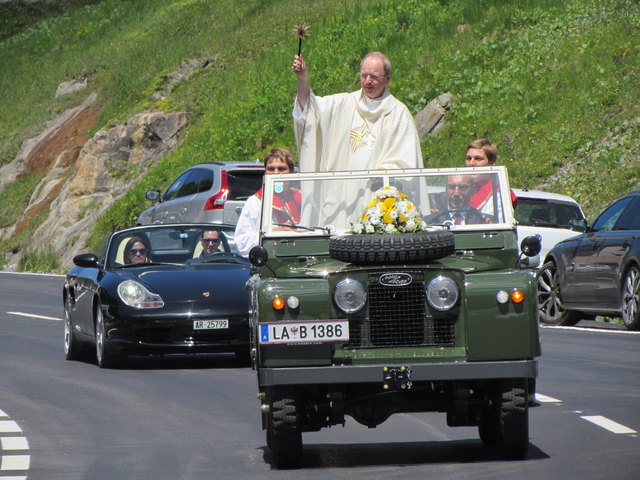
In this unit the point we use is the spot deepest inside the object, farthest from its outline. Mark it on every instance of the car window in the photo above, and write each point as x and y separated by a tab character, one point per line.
607	219
244	183
174	189
630	219
549	213
190	186
206	181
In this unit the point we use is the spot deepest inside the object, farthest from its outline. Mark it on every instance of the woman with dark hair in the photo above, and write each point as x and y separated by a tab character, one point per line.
137	251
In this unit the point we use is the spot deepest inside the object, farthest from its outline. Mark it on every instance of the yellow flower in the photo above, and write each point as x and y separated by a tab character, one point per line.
365	217
373	203
403	195
387	218
388	204
403	218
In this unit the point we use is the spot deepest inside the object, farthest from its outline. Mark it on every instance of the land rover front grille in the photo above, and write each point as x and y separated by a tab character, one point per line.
399	316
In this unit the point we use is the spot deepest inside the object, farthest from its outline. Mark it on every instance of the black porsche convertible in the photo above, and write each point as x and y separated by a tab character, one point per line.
158	289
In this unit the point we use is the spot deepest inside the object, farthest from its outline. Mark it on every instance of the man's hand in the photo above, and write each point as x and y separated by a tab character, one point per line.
299	68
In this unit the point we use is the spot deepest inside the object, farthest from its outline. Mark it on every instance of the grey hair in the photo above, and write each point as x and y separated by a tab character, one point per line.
385	61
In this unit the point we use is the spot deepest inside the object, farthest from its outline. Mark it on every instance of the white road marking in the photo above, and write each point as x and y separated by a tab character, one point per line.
545	399
15	462
14	443
590	329
9	426
608	424
33	315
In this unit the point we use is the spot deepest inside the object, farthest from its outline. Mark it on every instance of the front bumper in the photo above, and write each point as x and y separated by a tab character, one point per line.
339	374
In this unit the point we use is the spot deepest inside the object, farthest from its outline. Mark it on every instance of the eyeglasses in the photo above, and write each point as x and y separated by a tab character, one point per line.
375	78
138	251
211	240
463	187
277	169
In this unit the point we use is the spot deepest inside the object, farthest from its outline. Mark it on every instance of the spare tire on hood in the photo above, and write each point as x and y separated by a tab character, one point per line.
392	248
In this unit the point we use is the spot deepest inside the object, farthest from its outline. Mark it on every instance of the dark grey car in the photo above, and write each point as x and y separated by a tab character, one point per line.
212	192
596	273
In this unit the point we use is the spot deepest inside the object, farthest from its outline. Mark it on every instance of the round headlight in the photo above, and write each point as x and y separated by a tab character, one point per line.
350	296
442	293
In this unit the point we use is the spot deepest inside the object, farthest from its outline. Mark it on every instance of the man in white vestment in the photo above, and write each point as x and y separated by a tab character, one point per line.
364	130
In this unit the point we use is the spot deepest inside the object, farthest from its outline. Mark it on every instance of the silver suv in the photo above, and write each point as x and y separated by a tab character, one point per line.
212	192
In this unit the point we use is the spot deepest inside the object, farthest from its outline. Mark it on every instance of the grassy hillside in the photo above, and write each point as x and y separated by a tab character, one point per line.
554	83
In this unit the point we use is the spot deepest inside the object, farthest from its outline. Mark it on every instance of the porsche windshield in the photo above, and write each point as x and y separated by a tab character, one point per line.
386	201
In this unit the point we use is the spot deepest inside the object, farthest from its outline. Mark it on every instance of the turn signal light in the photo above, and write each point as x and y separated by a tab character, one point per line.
517	296
278	303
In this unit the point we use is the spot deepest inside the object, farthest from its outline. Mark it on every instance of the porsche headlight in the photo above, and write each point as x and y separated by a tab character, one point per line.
442	293
136	295
350	296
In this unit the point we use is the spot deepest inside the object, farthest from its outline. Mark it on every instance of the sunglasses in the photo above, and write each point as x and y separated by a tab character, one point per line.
136	251
463	187
211	240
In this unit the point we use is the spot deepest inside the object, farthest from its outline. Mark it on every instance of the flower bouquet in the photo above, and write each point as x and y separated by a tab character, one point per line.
389	212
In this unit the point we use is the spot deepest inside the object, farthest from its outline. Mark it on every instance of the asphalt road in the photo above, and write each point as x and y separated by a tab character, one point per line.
197	417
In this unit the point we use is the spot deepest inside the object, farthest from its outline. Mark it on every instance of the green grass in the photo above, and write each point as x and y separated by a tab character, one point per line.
553	83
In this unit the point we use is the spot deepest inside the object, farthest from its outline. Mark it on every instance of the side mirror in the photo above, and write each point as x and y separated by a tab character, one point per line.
152	195
86	260
578	224
531	245
258	256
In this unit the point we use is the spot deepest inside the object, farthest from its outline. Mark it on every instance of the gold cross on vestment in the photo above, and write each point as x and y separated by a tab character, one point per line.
357	137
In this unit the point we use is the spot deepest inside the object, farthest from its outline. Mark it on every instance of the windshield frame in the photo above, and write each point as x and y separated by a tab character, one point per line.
266	226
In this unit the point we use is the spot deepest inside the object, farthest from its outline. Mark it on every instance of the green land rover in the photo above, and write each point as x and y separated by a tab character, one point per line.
381	292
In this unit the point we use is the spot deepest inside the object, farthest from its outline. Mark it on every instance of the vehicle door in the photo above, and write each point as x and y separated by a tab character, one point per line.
177	203
580	284
615	246
242	184
164	210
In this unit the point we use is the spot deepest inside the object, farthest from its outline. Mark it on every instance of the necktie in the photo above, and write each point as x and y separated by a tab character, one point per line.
457	219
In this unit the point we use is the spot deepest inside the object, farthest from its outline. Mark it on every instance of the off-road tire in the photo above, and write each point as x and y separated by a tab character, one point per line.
392	248
513	420
283	429
550	309
630	295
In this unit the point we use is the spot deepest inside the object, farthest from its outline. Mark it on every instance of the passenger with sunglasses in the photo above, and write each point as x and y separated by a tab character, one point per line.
210	243
137	251
460	188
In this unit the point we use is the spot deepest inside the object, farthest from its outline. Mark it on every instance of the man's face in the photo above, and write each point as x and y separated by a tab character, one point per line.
459	190
276	165
477	158
210	242
372	77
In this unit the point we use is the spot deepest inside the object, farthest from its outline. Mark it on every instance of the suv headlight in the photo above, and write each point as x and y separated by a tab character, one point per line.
442	293
136	295
349	295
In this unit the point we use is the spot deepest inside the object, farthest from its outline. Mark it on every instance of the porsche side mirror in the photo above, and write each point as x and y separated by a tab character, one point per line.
86	260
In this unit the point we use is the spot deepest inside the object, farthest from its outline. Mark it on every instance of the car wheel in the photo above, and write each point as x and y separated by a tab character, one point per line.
284	435
550	307
104	356
392	248
488	426
72	348
513	420
631	299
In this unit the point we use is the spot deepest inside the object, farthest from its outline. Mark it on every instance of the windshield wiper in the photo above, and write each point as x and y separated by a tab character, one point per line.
328	229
